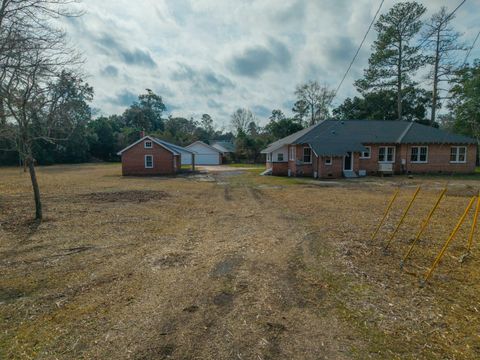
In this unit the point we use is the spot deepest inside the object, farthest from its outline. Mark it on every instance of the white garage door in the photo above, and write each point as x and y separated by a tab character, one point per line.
207	159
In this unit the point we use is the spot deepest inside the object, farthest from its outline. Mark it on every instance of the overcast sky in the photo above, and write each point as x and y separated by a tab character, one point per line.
212	56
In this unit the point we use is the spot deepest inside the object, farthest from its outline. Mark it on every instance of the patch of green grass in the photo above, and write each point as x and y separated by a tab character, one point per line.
472	176
251	177
244	165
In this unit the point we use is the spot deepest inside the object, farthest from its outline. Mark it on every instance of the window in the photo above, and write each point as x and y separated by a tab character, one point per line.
386	154
292	153
307	155
269	157
148	144
280	157
366	154
419	154
458	154
328	160
148	161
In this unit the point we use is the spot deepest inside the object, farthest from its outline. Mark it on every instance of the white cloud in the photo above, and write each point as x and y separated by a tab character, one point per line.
215	56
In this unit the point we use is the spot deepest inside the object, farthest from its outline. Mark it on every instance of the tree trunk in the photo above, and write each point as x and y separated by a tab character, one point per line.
36	189
435	80
399	82
3	118
312	109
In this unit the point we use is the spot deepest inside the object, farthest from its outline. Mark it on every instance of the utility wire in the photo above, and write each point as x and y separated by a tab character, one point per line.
445	20
421	44
359	48
471	48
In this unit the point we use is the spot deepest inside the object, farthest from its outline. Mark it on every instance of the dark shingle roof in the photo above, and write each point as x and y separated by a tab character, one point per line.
419	133
290	139
227	145
334	137
174	148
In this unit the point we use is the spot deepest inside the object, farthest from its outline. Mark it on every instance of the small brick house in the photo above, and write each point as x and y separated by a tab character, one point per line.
351	148
152	156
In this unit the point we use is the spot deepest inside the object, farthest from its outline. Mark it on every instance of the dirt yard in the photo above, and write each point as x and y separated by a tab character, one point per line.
231	266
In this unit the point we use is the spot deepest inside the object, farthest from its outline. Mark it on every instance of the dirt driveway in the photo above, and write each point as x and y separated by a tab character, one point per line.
241	267
222	168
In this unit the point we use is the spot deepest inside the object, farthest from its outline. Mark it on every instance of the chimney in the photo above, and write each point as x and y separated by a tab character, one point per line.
142	134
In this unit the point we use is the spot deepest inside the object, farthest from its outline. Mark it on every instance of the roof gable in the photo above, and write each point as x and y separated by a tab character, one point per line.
174	149
201	143
225	146
290	139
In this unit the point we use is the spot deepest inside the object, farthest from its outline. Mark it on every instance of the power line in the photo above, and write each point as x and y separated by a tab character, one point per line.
421	44
359	48
471	48
445	20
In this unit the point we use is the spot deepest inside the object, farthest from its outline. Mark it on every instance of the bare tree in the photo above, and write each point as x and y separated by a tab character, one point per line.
241	119
317	99
33	57
443	41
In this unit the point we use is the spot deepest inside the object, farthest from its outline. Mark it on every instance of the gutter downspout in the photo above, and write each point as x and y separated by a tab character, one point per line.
399	142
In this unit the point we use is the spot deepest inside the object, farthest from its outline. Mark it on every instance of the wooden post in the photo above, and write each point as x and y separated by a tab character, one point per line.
474	225
193	162
390	204
424	226
403	217
449	240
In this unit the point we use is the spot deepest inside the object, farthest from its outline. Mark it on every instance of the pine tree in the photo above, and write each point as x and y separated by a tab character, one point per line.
395	57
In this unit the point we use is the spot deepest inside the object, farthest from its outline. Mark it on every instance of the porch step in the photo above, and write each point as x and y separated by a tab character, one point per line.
266	172
349	174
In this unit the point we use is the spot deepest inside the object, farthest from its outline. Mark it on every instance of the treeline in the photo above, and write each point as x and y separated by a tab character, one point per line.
390	89
101	138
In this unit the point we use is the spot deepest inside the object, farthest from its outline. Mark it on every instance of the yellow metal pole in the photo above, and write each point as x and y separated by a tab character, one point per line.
423	226
403	217
450	238
474	224
385	214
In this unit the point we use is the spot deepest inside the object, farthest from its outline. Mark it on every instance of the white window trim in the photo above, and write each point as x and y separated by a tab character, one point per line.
145	161
303	155
369	153
278	154
292	153
149	142
419	161
330	160
457	155
386	152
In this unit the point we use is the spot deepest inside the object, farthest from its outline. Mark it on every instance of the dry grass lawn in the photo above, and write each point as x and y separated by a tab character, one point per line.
230	266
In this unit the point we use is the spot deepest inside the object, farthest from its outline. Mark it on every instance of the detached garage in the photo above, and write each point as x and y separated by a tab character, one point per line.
204	154
152	156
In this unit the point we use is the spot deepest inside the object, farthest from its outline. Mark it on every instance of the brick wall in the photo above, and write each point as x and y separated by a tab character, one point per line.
278	168
330	171
438	160
300	169
133	161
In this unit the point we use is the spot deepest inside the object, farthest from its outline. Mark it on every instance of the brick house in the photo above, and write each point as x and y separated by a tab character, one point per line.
152	156
334	149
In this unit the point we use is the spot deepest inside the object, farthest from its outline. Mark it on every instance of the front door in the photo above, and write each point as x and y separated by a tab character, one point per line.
348	162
